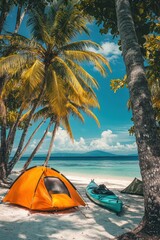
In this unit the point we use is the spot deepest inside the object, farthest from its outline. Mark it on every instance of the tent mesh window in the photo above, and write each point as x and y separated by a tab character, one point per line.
55	186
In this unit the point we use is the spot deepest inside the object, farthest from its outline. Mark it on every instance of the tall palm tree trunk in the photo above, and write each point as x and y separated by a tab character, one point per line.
147	138
36	149
11	136
3	167
20	146
25	147
20	17
2	133
51	143
3	128
29	140
21	142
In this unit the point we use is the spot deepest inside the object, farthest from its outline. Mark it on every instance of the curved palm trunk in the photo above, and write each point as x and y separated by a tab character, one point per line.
147	138
3	167
25	147
7	144
29	140
20	17
21	142
11	137
36	149
20	146
3	128
51	143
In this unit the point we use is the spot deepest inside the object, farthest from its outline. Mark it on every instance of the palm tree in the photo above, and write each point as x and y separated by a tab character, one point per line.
24	7
74	109
37	147
53	57
15	103
147	137
73	105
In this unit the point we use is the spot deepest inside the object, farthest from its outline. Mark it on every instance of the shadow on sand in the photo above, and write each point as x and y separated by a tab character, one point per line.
85	223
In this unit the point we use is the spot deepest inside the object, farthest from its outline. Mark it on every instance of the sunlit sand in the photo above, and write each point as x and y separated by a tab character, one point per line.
89	222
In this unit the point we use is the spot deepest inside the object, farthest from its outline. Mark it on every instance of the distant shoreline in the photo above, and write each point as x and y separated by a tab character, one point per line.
116	157
93	167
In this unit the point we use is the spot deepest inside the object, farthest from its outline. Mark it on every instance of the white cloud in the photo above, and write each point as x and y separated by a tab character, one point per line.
64	143
108	141
109	49
107	138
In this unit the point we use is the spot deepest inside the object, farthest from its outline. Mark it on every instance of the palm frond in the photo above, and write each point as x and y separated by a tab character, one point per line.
24	116
13	84
42	113
81	73
75	98
70	75
68	22
87	98
20	44
91	114
95	58
86	87
90	100
66	125
36	24
12	64
80	45
56	94
32	77
74	110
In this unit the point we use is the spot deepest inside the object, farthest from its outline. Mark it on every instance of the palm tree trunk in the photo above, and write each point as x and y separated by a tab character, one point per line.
36	149
20	17
11	136
2	133
51	143
15	158
20	146
29	140
147	138
3	129
3	166
24	149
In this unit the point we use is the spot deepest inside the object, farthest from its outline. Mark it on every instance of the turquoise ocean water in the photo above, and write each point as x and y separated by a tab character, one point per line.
104	167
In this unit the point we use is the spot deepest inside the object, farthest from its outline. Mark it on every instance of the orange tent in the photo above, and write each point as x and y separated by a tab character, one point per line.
43	188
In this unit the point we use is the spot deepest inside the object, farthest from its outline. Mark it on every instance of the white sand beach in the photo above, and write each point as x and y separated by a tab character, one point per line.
84	223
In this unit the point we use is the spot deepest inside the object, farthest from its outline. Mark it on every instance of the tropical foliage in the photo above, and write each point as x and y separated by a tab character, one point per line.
48	69
145	16
152	52
50	63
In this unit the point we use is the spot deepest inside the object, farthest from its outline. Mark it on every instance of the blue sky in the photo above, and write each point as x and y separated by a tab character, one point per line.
114	117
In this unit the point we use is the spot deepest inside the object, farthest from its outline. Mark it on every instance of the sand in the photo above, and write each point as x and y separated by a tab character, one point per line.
84	223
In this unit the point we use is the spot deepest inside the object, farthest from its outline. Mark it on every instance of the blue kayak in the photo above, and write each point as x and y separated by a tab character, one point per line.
103	197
